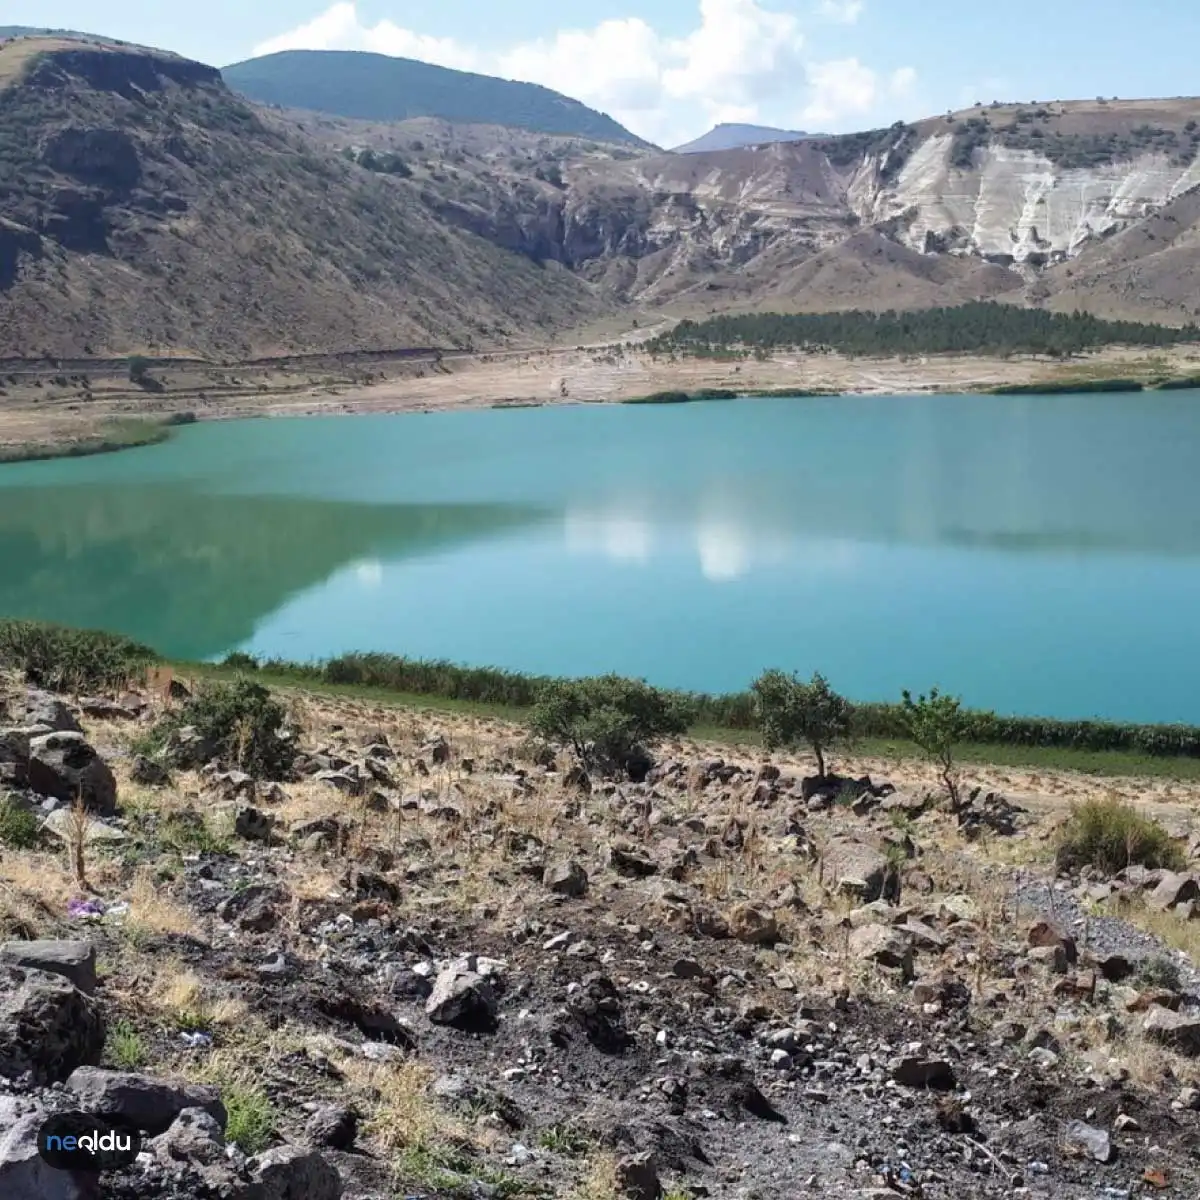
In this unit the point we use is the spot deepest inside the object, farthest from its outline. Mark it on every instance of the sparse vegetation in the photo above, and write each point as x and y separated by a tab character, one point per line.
1111	835
19	826
71	660
124	1047
239	722
251	1116
123	434
792	712
935	723
608	722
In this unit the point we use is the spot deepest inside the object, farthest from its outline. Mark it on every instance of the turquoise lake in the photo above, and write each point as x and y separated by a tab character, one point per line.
1034	554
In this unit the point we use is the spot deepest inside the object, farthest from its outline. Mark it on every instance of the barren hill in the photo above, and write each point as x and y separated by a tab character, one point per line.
145	207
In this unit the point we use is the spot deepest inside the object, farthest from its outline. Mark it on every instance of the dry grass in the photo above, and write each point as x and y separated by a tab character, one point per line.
153	910
600	1182
402	1115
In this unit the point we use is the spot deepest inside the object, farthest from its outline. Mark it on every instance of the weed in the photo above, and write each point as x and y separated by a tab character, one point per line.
250	1116
19	826
1111	835
565	1139
125	1048
1160	972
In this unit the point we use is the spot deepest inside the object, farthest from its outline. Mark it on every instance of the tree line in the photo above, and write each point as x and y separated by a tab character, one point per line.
982	327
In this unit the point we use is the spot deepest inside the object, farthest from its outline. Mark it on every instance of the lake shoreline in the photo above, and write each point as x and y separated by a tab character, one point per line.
36	413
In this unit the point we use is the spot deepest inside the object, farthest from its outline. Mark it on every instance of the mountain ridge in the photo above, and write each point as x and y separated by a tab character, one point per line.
734	136
380	87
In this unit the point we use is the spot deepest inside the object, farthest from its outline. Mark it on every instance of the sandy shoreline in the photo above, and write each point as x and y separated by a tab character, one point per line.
45	408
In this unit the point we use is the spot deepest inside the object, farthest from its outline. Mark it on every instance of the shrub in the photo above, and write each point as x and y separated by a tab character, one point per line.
240	661
1112	835
935	722
237	722
72	660
792	712
608	721
1161	972
19	827
139	366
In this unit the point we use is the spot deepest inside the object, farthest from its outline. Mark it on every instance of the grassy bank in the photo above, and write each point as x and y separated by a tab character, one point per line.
72	660
120	434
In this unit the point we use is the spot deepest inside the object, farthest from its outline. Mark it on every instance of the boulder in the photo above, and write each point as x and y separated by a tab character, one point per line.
150	1104
856	868
1088	1141
195	1136
916	1072
884	946
48	1027
748	923
566	879
14	758
252	823
1178	1031
637	1177
51	713
73	960
332	1126
65	766
24	1175
463	997
629	861
1043	934
293	1173
252	909
148	772
1174	888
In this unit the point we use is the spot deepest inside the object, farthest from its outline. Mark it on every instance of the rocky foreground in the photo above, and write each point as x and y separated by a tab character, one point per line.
437	960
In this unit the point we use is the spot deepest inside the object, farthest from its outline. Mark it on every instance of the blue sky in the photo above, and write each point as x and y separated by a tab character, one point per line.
669	69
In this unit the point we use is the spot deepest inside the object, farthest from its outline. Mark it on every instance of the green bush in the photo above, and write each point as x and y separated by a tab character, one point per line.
792	712
72	660
239	723
608	721
1111	835
19	827
935	722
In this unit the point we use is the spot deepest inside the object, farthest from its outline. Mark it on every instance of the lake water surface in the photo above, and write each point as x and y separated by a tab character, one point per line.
1036	554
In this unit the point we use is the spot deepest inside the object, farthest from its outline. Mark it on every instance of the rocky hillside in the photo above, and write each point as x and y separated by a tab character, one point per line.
428	957
144	207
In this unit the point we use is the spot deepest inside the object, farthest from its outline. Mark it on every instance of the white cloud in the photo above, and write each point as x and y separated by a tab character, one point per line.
741	62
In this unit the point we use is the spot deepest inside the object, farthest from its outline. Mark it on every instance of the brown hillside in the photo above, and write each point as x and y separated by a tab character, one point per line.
144	207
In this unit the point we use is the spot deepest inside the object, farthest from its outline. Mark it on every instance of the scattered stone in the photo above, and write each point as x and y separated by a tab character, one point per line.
628	860
252	823
24	1174
148	1103
884	946
1082	1139
332	1126
748	923
252	908
857	869
344	781
916	1072
1178	1031
48	1027
463	997
637	1177
566	879
148	772
1174	888
1043	935
52	714
292	1173
73	960
67	767
195	1136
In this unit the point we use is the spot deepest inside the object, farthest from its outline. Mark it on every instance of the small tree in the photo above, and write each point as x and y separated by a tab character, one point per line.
608	721
792	712
935	722
139	369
